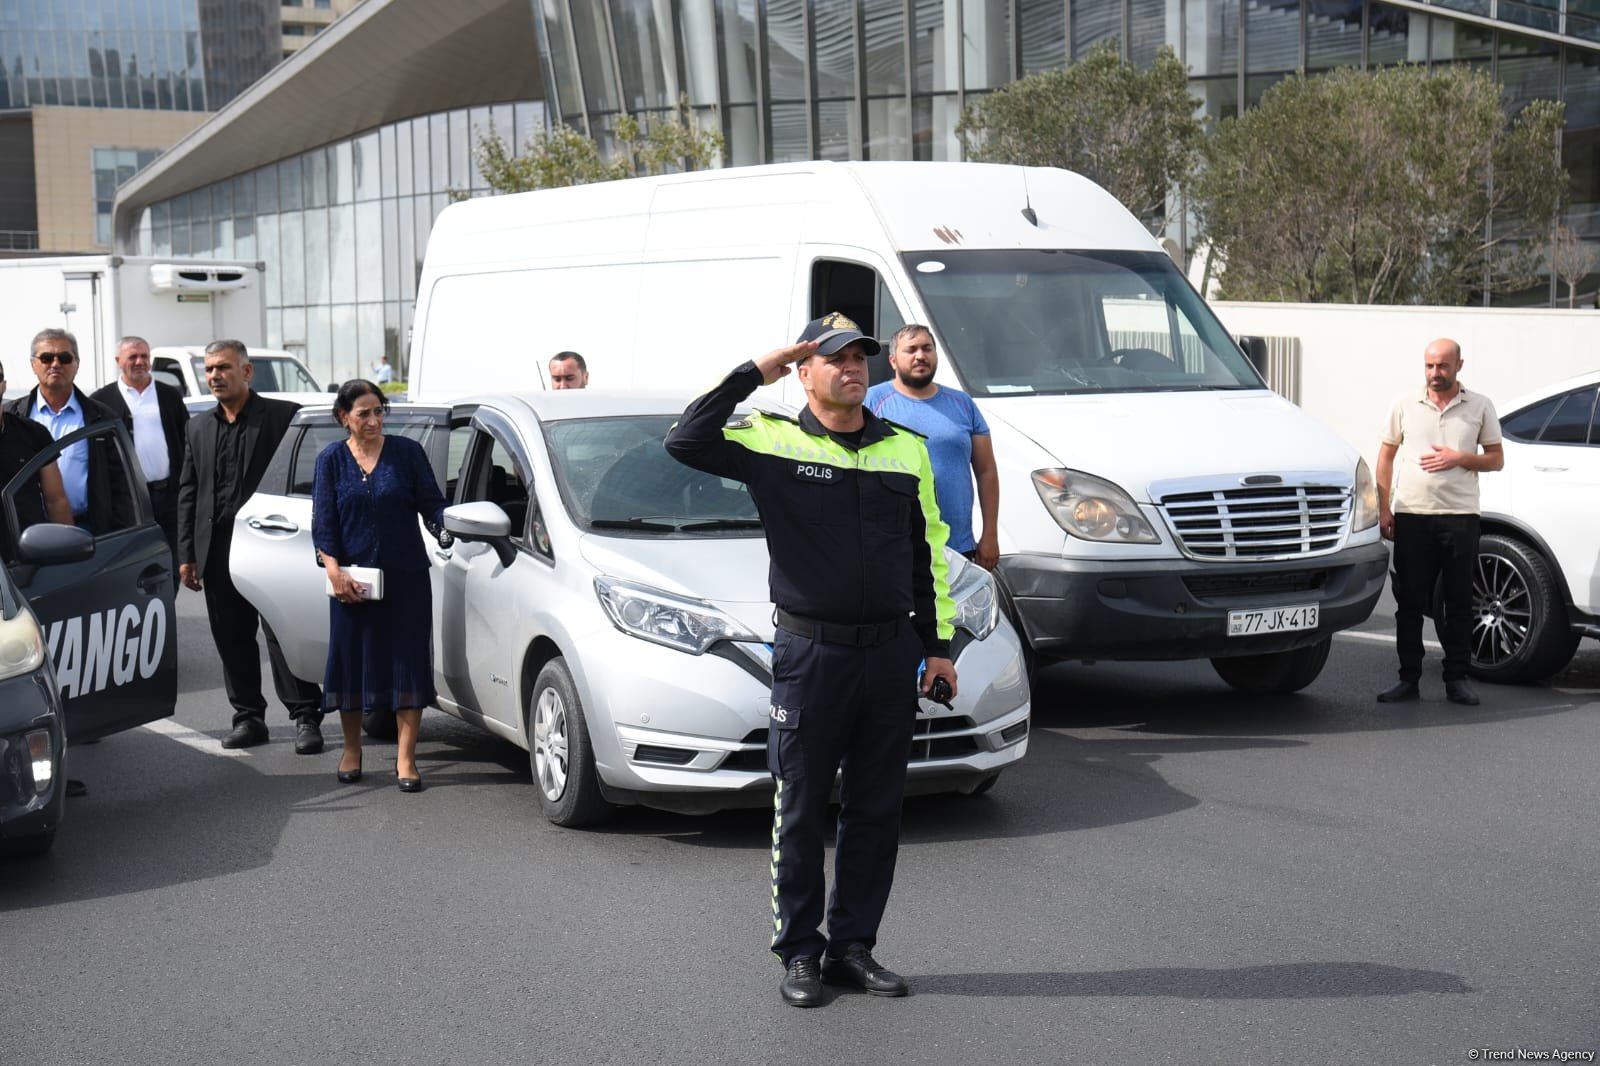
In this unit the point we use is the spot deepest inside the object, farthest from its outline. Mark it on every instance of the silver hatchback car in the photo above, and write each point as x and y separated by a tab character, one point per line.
606	608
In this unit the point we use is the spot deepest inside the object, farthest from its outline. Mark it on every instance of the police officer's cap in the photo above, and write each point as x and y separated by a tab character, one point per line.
833	331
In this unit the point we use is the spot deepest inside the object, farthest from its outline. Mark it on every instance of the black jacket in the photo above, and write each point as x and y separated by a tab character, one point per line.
266	421
110	493
174	418
853	531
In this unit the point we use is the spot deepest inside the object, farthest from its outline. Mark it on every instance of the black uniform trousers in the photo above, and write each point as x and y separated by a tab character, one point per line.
1430	549
837	709
233	628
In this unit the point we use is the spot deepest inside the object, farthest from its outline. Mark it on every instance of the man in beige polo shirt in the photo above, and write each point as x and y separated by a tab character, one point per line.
1430	461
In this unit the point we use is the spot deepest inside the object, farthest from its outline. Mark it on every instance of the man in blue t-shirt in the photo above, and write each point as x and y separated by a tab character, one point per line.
958	440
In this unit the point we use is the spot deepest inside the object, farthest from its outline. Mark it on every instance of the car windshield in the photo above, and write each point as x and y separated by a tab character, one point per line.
616	477
1031	321
273	373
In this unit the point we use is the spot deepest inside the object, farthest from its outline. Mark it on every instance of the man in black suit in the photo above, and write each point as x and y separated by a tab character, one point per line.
92	471
229	449
159	419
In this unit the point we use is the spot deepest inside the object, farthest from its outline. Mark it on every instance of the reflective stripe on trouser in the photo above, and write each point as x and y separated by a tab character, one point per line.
837	708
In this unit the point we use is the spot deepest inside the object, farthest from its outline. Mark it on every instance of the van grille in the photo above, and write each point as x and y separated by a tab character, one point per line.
1259	523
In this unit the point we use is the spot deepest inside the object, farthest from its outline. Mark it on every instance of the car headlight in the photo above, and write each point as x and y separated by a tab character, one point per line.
663	618
1092	508
21	645
1364	498
977	606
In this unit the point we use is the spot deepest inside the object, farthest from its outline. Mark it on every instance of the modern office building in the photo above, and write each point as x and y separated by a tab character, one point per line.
338	197
91	90
304	19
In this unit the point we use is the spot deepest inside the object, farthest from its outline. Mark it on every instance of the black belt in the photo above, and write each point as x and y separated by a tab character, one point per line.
864	636
160	486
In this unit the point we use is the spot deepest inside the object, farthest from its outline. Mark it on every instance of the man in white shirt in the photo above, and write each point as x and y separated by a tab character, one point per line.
158	417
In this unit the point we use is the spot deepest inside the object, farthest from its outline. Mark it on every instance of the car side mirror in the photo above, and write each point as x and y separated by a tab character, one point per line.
1255	350
52	542
333	389
484	522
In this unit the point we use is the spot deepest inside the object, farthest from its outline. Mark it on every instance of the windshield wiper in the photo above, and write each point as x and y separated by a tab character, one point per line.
711	524
642	524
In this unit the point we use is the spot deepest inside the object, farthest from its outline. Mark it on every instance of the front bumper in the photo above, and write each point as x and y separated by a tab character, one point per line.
1178	608
660	752
28	703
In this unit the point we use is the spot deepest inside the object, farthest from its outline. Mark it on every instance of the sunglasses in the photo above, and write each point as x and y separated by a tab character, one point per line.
64	358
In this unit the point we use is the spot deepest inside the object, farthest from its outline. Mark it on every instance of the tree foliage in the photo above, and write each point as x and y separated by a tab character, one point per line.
1133	132
1571	260
1393	186
563	156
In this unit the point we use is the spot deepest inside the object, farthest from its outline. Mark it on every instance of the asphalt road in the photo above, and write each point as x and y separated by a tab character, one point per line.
1174	874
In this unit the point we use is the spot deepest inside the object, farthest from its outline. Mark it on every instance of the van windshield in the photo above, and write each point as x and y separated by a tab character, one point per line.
1033	321
617	478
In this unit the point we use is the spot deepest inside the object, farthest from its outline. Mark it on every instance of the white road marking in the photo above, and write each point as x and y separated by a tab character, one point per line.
1382	638
191	738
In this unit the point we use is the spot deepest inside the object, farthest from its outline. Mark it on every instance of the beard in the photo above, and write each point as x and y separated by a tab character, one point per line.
915	379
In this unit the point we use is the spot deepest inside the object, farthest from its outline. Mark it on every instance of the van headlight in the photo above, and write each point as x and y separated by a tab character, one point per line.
977	606
1092	508
1363	499
663	618
21	645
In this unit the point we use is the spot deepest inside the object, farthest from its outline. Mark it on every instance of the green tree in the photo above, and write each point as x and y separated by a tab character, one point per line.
563	156
1133	132
1394	186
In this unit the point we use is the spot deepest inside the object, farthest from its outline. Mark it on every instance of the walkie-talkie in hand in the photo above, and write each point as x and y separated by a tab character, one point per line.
940	692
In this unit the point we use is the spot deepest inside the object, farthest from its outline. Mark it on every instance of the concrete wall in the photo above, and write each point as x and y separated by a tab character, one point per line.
64	140
1356	358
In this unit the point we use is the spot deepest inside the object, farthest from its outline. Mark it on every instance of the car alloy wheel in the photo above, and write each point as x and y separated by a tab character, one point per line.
550	749
1502	611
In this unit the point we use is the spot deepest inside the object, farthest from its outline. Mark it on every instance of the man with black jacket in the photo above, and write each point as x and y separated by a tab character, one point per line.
91	470
228	451
159	419
860	585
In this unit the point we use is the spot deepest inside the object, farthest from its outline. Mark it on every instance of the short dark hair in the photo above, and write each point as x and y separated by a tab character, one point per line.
910	329
52	334
574	356
353	390
2	371
226	345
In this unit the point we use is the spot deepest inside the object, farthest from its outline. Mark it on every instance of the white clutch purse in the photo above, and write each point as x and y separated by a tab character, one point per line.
369	579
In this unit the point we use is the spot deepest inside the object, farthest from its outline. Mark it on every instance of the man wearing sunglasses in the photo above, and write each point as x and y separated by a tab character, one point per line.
42	499
91	470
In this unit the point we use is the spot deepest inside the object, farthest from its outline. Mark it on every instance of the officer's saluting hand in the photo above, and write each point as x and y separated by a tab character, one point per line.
862	597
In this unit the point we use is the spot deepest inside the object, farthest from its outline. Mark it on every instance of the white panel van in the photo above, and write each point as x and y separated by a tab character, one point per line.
1157	500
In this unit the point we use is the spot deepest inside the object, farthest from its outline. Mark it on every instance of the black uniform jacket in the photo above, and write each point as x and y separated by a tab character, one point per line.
854	535
110	498
266	421
174	418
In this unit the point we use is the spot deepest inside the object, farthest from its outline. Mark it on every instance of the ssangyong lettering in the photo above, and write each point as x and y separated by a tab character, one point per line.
107	647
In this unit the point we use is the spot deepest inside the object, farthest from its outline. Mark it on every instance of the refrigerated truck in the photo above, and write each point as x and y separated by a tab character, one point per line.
101	298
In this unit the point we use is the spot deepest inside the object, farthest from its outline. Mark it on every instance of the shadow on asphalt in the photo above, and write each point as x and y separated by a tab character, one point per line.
1307	980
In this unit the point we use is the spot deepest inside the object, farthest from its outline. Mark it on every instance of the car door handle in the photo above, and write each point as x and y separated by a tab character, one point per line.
154	579
444	555
275	523
1551	469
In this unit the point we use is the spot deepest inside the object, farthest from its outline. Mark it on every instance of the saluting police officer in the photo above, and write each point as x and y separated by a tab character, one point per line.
859	580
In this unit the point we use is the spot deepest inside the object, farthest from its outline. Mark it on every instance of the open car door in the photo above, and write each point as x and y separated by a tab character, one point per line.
108	619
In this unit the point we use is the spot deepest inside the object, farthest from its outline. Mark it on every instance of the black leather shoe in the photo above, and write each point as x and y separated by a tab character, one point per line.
1458	691
857	967
247	734
307	736
408	784
802	983
1400	692
349	777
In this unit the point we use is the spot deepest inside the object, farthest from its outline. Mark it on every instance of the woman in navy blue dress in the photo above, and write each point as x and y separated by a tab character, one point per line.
366	496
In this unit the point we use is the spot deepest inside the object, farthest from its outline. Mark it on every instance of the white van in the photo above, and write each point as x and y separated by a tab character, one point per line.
1157	500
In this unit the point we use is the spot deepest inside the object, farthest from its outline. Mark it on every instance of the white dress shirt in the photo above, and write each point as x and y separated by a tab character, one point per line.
149	438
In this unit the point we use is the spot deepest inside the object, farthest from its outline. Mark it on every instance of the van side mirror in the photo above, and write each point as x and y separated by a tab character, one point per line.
483	522
52	542
1255	350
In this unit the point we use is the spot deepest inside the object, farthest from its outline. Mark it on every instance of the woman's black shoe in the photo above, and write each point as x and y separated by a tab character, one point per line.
349	777
411	784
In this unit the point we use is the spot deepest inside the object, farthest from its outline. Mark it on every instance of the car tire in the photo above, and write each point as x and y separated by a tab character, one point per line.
559	753
380	725
1275	673
28	847
1520	630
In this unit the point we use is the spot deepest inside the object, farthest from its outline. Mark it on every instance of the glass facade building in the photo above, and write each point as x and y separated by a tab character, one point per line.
342	229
